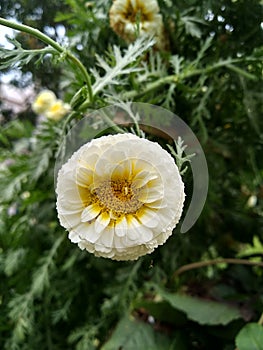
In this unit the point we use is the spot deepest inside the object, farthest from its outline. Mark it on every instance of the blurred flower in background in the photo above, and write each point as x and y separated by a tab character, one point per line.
43	101
47	104
132	18
57	110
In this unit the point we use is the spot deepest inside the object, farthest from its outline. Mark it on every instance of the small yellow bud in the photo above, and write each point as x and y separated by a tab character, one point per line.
57	110
43	101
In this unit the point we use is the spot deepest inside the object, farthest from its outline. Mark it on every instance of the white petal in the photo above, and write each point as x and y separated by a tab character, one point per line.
133	232
146	234
101	222
84	177
149	218
107	237
69	220
90	212
148	196
85	245
118	242
121	227
74	237
86	232
142	178
159	204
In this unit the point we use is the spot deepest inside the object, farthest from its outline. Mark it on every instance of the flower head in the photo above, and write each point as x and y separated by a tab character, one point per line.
43	101
57	110
46	103
119	196
127	16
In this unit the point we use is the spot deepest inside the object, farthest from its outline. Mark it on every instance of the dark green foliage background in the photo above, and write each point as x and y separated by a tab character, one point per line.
54	296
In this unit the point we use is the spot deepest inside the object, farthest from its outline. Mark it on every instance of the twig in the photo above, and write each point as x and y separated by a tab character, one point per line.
200	264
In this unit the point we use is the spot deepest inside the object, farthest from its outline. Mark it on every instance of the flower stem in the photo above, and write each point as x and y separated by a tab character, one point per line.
47	40
188	73
112	124
32	31
200	264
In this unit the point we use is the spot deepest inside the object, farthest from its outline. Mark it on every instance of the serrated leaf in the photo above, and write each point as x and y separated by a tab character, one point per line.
131	334
13	261
18	57
18	129
191	26
250	337
42	162
8	190
202	311
176	62
134	51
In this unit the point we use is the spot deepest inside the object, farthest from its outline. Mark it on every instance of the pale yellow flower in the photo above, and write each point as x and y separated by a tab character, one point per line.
57	110
119	196
127	15
43	101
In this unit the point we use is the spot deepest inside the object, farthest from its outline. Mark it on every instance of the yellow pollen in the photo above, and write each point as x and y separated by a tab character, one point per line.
118	196
137	13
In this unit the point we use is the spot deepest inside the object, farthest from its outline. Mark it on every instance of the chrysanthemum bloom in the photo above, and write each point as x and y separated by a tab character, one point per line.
127	15
119	196
43	101
57	110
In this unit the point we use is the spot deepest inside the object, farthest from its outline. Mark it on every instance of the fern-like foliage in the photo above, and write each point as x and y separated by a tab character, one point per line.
153	68
124	64
19	57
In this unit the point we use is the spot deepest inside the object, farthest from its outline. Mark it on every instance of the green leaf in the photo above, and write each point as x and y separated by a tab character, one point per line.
191	26
250	337
122	64
202	311
13	261
18	57
131	334
162	312
41	164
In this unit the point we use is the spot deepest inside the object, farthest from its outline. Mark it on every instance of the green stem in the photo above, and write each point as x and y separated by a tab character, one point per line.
83	70
47	40
189	73
112	124
32	31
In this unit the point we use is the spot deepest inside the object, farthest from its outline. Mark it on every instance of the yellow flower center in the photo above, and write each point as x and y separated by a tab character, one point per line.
56	107
118	196
136	14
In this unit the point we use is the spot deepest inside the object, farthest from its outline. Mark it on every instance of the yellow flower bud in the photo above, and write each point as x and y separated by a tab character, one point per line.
43	101
57	110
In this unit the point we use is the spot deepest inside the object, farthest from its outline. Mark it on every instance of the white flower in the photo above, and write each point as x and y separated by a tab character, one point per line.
43	101
57	110
126	15
119	196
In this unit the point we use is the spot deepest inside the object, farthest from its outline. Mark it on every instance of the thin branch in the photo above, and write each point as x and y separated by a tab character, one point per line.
200	264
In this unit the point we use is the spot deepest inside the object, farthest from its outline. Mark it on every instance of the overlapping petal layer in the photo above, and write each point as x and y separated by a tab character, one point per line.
120	196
